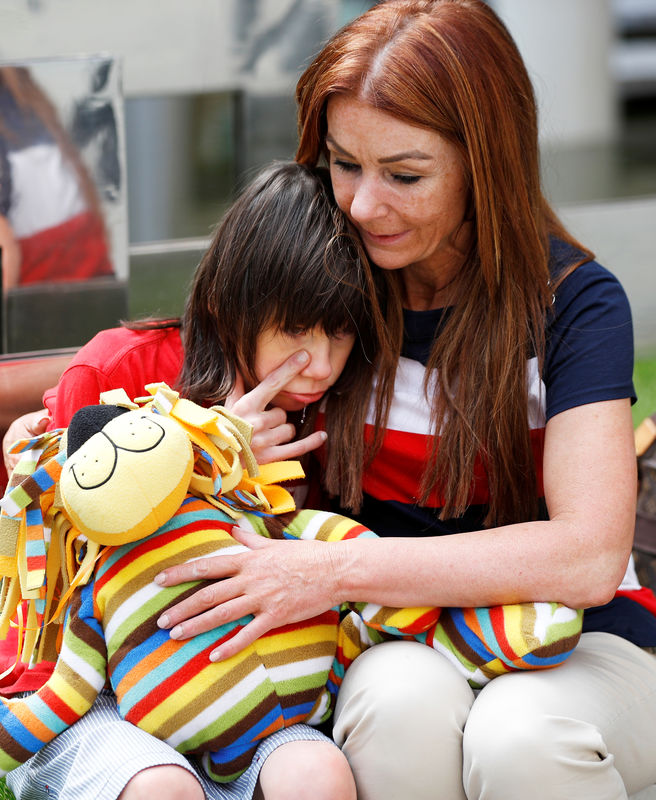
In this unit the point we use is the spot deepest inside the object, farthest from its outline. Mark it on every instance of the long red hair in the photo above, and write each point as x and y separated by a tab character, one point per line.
452	67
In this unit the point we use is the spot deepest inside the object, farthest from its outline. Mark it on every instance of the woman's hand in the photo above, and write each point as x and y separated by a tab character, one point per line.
31	424
272	434
277	582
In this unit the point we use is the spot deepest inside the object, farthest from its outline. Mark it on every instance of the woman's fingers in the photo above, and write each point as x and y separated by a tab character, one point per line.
232	611
256	628
252	540
275	582
201	569
205	609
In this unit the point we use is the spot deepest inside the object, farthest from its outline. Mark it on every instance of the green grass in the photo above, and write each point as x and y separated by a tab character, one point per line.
644	377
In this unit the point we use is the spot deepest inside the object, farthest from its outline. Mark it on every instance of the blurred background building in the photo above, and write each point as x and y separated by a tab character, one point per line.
593	65
207	96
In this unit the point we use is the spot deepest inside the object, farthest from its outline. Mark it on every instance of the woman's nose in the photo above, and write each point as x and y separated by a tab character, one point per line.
367	202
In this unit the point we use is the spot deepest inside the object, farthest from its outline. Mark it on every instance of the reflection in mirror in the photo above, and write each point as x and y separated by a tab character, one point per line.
63	221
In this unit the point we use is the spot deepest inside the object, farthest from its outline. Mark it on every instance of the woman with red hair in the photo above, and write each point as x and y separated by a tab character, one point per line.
501	465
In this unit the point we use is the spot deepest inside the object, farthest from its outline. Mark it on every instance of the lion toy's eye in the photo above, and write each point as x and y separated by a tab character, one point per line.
128	479
92	466
135	431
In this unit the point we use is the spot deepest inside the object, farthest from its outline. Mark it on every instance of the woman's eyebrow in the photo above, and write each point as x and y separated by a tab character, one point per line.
416	155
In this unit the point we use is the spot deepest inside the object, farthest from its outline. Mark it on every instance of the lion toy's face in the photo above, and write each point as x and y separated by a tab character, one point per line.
126	479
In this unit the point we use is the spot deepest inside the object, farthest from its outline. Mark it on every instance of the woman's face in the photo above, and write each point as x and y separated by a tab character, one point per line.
402	186
328	357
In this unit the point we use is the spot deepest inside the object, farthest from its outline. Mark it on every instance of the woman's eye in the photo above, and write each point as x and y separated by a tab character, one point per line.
345	166
407	179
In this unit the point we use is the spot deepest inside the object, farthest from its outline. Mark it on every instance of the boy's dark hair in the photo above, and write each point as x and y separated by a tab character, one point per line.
284	256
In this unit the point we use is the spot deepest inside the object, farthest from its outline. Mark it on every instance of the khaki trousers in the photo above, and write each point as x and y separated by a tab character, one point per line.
413	729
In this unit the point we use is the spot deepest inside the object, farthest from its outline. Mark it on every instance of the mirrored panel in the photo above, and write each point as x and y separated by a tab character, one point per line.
63	208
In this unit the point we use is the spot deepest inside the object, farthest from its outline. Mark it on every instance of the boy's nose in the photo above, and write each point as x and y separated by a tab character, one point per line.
319	367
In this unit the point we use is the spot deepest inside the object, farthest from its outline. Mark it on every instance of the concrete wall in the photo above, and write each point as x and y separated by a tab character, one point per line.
568	48
174	47
566	45
623	236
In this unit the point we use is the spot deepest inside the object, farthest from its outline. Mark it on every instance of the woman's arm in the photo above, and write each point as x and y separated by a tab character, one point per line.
578	557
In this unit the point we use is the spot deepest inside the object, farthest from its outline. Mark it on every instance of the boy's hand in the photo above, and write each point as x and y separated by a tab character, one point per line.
272	434
31	424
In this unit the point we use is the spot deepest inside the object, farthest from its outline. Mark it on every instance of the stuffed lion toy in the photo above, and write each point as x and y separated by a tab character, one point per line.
94	512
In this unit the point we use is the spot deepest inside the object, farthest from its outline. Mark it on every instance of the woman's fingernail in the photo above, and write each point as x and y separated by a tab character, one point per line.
301	357
163	621
176	633
215	655
159	579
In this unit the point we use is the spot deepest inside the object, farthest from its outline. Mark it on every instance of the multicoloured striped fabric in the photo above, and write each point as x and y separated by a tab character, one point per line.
220	711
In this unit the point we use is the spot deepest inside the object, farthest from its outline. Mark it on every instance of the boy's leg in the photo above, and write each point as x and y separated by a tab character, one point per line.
96	757
166	782
99	755
306	771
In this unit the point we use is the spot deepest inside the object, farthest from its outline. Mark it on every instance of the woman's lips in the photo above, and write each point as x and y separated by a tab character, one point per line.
382	239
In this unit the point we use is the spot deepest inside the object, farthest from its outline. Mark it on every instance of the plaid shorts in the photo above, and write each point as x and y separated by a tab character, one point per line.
97	756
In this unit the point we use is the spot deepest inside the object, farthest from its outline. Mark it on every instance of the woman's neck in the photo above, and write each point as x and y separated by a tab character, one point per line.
431	283
423	291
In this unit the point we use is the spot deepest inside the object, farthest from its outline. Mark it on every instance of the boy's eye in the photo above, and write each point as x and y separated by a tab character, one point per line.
342	334
297	331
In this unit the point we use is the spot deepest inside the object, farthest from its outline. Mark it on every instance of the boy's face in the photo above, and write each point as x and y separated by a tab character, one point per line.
328	356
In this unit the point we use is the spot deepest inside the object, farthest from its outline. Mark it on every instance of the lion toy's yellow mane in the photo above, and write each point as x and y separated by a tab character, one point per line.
120	485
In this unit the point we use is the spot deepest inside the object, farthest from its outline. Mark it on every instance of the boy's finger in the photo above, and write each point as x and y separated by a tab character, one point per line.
236	393
278	378
300	447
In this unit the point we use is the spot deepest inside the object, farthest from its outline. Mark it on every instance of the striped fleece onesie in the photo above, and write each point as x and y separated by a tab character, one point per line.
220	711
